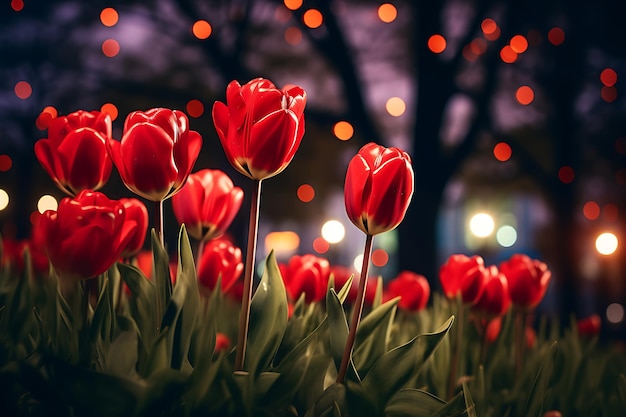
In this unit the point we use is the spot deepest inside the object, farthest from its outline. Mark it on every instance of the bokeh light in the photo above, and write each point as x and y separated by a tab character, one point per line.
524	95
608	77
195	108
395	106
320	245
481	224
380	257
606	243
313	18
110	48
293	35
5	163
502	151
478	46
615	313
591	210
488	26
556	36
608	94
17	5
202	29
387	12
508	55
4	199
293	4
23	90
437	43
333	231
358	263
109	17
343	130
519	44
110	109
306	193
506	236
566	174
47	202
282	242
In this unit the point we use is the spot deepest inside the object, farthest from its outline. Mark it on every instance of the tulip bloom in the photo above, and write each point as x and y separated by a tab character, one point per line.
528	280
135	211
308	275
495	299
86	235
378	188
156	153
412	287
589	326
220	258
465	276
207	204
74	155
260	126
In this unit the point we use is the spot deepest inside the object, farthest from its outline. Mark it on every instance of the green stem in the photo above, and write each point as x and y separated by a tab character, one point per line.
356	315
199	254
158	220
519	341
244	318
456	353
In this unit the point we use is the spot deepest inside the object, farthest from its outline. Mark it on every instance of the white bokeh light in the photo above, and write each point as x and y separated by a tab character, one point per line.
333	231
358	263
606	243
481	224
506	236
47	202
615	313
4	199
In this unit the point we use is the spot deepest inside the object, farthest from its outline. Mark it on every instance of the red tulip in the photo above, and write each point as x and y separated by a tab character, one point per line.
156	153
220	258
74	155
222	342
378	188
463	275
135	211
495	299
493	328
589	326
412	287
528	280
306	274
207	204
86	235
260	126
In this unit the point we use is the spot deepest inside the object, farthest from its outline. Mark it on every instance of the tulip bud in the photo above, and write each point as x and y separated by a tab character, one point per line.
378	188
74	155
207	204
156	153
220	258
135	211
463	275
589	326
495	299
528	280
260	127
413	288
306	274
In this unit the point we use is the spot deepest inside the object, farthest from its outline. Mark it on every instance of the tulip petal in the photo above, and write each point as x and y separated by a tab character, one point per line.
272	139
84	156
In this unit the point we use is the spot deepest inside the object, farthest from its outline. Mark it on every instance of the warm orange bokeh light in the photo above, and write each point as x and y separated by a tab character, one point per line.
343	130
519	44
608	77
109	17
608	94
293	4
610	212
437	43
478	46
395	106
23	90
17	5
110	109
313	18
502	151
493	36
591	210
508	55
293	35
387	12
488	26
202	29
380	258
51	110
306	193
556	36
469	54
566	174
320	245
44	118
5	163
524	95
195	108
110	48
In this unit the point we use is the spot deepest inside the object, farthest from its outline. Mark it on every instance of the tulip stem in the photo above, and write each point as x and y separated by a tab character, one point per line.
356	315
158	220
519	342
456	353
244	318
199	254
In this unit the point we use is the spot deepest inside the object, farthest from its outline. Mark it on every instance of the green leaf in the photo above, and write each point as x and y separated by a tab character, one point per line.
332	400
373	335
470	407
345	290
102	324
160	277
413	403
141	302
268	318
338	333
539	389
395	367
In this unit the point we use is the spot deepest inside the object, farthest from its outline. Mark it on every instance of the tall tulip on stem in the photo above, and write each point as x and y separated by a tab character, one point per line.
378	190
260	128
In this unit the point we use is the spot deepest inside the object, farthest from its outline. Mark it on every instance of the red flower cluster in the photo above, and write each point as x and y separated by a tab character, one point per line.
306	274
